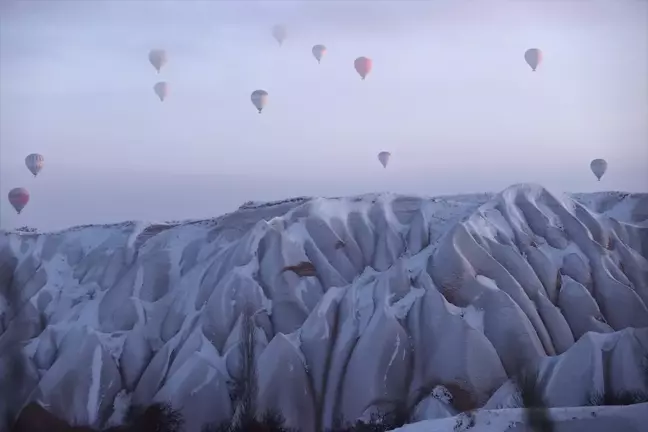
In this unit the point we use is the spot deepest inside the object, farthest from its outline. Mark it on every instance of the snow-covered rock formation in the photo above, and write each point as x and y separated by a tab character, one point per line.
359	304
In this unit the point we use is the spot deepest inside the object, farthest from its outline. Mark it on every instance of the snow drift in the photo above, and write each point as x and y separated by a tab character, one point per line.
359	304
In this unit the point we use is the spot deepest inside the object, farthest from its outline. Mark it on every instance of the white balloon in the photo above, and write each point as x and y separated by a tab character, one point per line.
533	57
383	157
161	90
34	163
158	58
279	33
259	99
318	52
598	167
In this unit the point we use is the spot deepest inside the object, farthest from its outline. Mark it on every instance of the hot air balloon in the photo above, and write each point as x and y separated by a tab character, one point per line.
161	90
158	58
34	163
18	198
383	157
598	167
318	52
279	33
533	57
259	99
363	66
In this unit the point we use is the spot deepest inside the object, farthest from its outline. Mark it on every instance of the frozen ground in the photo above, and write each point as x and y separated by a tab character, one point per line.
432	301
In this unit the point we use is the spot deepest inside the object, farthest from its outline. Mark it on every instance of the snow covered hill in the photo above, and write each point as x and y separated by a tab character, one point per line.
358	304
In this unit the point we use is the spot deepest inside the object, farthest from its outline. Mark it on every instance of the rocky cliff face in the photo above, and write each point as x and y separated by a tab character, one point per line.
357	304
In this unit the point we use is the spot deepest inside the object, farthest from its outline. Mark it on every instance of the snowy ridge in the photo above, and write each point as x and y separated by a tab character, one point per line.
400	296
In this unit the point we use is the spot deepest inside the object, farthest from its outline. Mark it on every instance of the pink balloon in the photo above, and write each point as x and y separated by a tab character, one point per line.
363	66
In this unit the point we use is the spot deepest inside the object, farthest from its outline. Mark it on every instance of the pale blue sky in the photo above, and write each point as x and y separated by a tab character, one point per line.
450	96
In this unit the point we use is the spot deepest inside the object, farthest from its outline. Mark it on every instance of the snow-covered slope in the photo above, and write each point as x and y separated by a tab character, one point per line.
631	418
358	303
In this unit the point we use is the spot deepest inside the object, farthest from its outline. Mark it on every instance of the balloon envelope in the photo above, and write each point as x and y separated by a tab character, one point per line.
259	99
363	66
279	33
18	198
533	57
34	163
598	167
318	52
161	89
158	58
383	157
